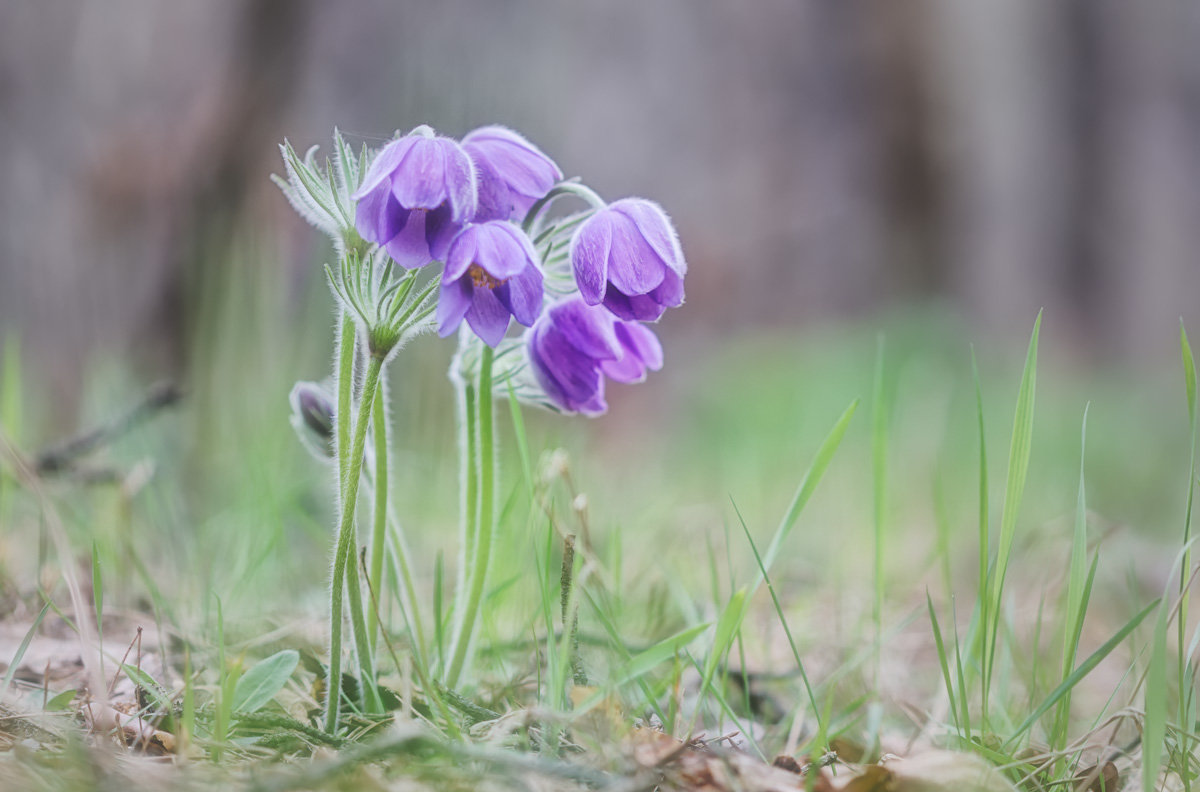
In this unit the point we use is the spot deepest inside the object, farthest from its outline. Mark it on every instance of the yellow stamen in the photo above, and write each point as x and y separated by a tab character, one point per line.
481	278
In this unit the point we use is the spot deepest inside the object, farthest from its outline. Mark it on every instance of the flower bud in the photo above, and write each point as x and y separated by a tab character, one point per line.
312	418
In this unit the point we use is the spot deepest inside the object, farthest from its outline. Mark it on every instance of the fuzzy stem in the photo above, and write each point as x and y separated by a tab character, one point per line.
573	188
347	338
468	453
485	520
379	533
345	547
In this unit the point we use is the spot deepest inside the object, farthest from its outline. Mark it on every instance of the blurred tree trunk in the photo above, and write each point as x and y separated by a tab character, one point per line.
241	132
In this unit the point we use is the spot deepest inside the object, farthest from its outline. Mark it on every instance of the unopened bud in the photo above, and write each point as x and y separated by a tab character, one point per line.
312	418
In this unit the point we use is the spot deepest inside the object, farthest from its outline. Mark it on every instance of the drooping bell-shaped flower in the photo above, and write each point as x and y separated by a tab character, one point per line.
574	346
312	418
490	276
512	172
627	256
417	194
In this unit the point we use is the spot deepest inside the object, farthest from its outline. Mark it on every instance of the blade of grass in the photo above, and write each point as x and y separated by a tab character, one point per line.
787	631
518	425
979	629
10	416
20	653
1183	677
808	485
98	600
644	662
1014	488
1154	727
945	664
726	631
879	481
1079	673
1077	585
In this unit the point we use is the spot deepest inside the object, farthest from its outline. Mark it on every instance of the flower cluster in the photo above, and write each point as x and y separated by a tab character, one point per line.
480	208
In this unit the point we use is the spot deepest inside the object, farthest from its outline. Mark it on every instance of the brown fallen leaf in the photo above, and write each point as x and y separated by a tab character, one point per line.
932	771
1098	778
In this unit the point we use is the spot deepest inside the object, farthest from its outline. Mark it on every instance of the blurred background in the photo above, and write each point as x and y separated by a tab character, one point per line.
937	169
821	159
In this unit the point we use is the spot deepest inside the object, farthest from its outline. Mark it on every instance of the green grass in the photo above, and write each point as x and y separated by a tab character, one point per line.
891	610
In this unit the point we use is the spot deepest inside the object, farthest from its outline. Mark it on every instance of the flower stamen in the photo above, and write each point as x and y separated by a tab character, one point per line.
482	279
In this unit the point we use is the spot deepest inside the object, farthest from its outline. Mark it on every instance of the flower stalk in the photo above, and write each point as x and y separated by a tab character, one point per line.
485	466
345	551
379	424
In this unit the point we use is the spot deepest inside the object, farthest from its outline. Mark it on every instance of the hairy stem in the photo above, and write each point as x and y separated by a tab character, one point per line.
379	532
344	553
485	468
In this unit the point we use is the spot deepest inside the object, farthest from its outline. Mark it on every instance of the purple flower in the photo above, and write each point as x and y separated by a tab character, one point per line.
417	193
490	276
574	346
627	257
513	173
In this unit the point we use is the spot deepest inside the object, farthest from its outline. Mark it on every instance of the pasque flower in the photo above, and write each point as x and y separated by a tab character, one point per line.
627	256
418	192
512	172
490	276
574	346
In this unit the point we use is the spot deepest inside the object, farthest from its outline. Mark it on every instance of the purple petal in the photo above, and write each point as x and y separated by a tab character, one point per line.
495	199
589	253
655	227
461	253
640	308
670	293
421	181
384	165
409	247
460	181
379	217
522	295
440	228
641	341
564	372
496	252
453	304
587	329
520	164
633	266
642	351
513	248
488	317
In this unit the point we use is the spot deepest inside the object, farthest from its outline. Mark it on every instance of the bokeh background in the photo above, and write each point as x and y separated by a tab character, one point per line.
820	158
937	170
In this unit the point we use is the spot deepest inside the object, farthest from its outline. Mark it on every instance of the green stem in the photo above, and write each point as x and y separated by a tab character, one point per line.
363	651
379	532
574	188
468	452
409	601
485	521
347	338
345	546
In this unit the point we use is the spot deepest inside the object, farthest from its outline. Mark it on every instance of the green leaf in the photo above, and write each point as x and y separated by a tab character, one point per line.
808	485
1018	463
1083	670
16	659
727	629
1189	371
61	702
646	661
1154	730
147	683
260	684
